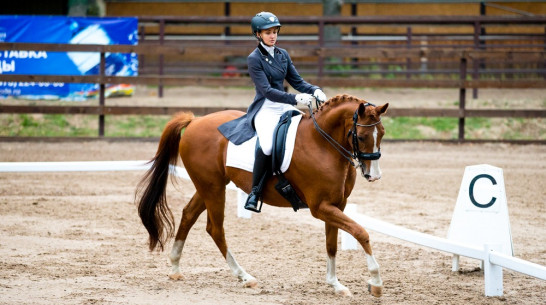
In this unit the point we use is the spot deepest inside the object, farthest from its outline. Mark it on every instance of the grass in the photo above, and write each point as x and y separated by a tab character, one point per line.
135	126
59	125
417	128
420	128
475	128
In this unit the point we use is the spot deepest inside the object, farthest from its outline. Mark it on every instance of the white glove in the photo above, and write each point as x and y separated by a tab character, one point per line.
320	96
304	98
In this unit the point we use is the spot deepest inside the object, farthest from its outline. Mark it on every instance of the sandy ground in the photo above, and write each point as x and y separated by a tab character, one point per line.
75	238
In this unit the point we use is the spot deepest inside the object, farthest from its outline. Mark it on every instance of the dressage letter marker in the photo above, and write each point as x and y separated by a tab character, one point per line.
481	212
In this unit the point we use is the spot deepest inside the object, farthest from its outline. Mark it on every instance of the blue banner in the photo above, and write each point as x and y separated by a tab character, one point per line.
69	30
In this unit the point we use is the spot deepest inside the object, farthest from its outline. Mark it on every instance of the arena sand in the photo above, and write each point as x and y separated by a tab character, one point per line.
75	238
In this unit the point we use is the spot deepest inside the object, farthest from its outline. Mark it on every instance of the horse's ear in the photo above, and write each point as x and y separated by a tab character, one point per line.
382	109
361	109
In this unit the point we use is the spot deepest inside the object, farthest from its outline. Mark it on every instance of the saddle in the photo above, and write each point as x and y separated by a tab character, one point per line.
279	141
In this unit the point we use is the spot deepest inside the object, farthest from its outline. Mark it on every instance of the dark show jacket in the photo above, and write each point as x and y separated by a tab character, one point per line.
268	74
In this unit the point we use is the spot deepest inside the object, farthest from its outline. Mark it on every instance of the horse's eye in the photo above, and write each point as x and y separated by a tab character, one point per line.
361	139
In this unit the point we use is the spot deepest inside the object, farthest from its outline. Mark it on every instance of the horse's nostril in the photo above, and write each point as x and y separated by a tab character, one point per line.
367	177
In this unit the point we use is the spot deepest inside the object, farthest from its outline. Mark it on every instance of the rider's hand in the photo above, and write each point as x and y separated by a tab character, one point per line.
304	98
320	96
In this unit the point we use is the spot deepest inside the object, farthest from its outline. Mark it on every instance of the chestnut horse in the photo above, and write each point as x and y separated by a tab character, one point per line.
321	172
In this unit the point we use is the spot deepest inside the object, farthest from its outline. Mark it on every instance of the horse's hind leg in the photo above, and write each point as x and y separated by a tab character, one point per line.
191	212
331	249
215	228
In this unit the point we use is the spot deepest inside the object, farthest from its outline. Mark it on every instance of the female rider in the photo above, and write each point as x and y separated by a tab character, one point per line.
268	67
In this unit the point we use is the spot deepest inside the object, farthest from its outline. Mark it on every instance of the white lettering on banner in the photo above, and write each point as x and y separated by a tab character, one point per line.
7	66
9	91
31	84
9	84
25	54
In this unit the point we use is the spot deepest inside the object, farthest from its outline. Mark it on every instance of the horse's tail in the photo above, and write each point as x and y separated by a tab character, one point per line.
153	210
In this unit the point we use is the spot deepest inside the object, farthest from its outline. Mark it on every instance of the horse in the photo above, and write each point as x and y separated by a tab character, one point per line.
322	171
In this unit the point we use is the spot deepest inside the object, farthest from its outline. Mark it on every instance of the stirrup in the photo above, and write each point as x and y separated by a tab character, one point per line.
257	208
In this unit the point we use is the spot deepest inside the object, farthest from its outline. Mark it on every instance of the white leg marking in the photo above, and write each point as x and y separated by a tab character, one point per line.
239	272
176	254
331	278
375	171
373	268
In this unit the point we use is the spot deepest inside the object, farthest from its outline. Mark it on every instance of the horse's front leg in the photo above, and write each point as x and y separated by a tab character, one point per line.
334	216
331	249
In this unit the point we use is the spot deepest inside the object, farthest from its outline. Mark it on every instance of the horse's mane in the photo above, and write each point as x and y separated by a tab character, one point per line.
335	101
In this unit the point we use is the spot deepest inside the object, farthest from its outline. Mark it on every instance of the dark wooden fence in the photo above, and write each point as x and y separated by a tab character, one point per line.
465	60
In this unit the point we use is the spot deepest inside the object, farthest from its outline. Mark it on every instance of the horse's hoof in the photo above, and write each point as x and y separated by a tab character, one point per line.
376	291
252	283
344	293
175	276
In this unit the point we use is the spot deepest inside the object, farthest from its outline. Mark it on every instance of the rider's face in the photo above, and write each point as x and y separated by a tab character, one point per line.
269	36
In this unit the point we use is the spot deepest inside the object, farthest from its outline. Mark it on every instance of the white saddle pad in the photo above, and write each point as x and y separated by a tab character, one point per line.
242	156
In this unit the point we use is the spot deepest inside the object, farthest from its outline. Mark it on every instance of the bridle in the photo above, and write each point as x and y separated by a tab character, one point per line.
356	154
356	151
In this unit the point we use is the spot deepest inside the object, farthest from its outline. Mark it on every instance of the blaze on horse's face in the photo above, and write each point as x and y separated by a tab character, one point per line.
369	137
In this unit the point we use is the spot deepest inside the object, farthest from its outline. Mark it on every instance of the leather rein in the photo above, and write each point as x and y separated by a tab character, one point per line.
356	154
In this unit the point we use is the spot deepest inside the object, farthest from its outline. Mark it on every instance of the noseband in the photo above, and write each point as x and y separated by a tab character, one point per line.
357	155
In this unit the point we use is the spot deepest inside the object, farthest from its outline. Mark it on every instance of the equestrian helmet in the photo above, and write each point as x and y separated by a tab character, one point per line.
262	21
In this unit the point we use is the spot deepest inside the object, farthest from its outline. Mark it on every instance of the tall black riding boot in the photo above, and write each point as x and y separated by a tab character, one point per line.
260	174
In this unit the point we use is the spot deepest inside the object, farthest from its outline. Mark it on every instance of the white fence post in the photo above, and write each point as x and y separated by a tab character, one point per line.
455	263
348	242
492	272
241	200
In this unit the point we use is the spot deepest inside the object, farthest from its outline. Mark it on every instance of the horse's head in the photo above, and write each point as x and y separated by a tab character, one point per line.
365	138
361	126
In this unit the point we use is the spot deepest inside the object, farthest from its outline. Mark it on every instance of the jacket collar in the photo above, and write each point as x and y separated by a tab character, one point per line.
267	57
262	49
270	50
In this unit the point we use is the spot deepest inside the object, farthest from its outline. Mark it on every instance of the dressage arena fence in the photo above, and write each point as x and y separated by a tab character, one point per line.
465	52
493	260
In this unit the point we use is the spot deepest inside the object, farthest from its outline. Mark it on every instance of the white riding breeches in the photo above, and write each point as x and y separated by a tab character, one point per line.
266	120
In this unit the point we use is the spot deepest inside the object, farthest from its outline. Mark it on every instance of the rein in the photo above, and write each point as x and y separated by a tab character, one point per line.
356	154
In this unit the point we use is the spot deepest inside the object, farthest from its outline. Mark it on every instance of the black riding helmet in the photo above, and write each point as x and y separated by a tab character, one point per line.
262	21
